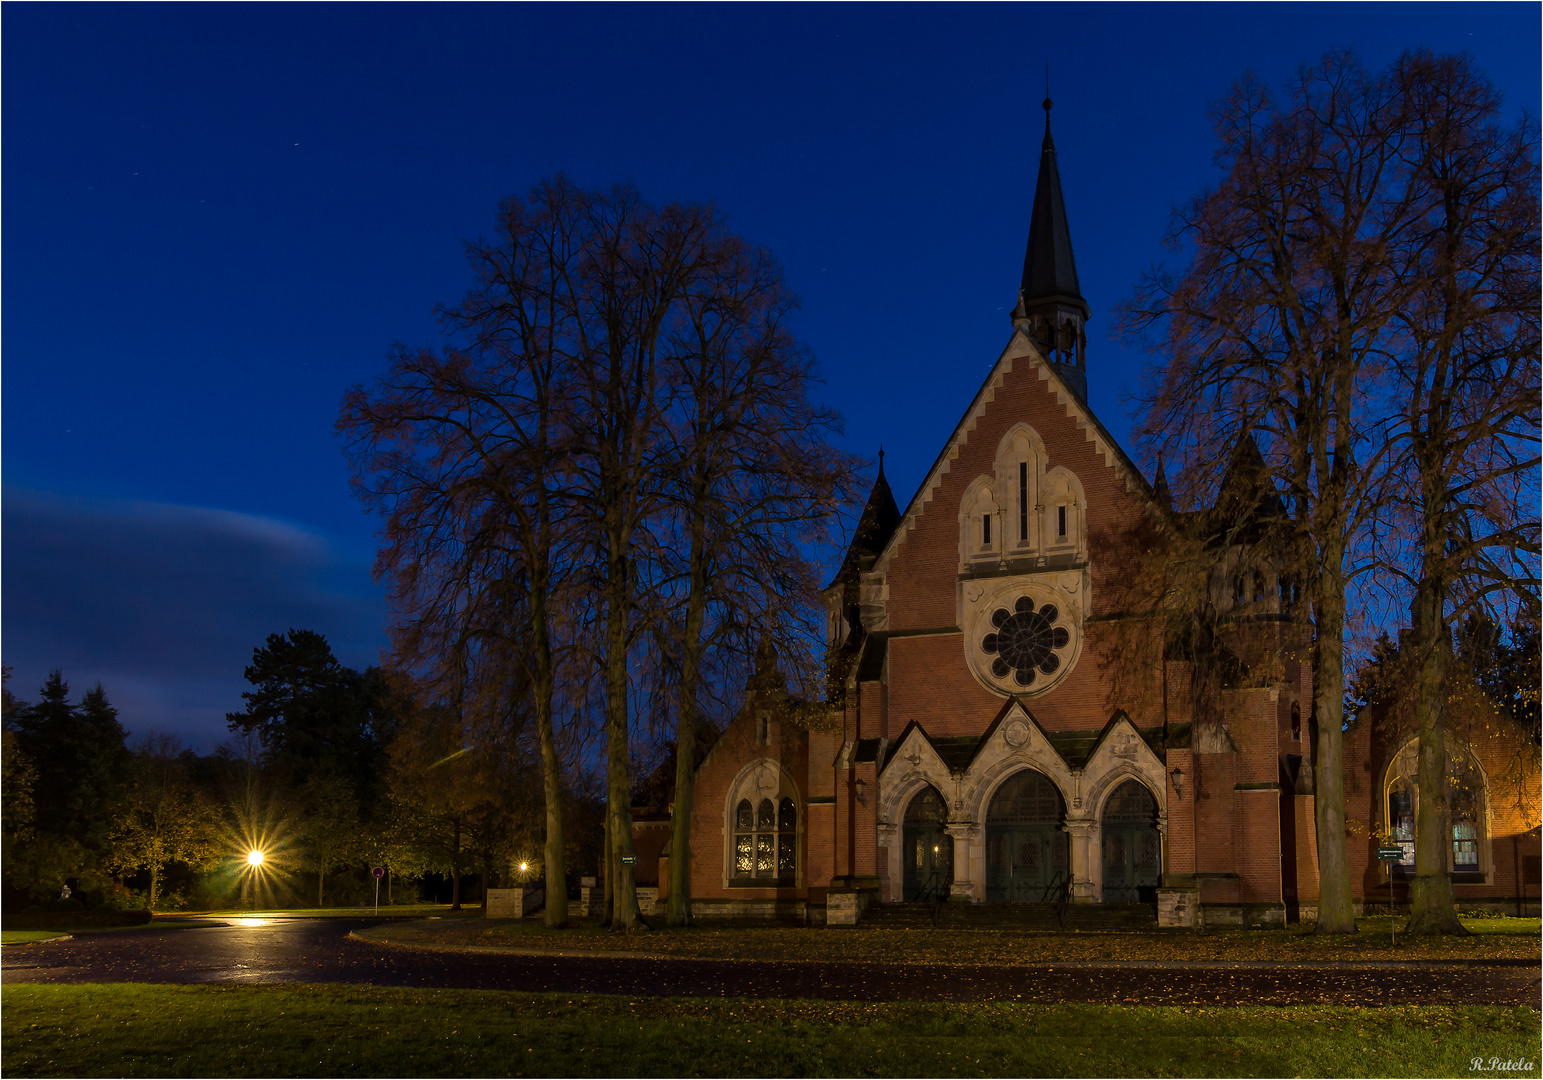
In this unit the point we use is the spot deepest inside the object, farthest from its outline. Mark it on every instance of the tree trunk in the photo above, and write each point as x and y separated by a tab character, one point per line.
155	886
679	910
607	870
1432	904
618	763
555	914
455	867
321	875
1336	904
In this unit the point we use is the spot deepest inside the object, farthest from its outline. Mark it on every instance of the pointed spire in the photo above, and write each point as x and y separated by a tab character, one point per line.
1049	269
1051	311
875	525
1160	487
1248	487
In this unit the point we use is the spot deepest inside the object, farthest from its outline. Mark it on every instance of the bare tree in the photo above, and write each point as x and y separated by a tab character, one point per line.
753	485
465	455
1276	328
1462	491
637	264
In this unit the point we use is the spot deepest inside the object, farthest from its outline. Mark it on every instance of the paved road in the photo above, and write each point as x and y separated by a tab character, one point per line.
319	950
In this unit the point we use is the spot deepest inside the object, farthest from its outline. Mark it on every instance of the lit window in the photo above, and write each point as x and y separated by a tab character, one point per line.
1466	801
766	842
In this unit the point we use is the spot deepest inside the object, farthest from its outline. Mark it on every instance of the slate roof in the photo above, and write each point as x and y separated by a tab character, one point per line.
1075	747
875	525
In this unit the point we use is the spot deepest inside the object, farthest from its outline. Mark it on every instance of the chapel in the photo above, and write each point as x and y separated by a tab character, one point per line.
1006	719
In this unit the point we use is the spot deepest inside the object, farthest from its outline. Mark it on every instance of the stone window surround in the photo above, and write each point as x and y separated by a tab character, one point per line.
997	494
1015	743
979	597
747	785
1404	763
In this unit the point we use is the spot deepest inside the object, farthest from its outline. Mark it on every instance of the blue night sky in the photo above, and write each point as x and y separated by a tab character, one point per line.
217	218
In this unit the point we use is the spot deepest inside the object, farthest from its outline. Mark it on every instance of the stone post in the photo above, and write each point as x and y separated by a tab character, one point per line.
1080	835
963	834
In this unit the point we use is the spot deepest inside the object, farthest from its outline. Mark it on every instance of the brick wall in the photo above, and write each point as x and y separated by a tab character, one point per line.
789	747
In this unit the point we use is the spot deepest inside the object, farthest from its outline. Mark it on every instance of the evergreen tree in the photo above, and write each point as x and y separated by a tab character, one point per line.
312	714
80	758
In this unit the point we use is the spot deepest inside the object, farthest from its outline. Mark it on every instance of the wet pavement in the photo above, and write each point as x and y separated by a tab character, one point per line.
320	951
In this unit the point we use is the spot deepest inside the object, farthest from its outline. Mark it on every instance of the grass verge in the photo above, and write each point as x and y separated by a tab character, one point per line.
25	937
143	1030
1493	939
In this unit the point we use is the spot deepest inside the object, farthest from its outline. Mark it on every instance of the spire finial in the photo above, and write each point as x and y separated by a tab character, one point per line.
1047	103
881	459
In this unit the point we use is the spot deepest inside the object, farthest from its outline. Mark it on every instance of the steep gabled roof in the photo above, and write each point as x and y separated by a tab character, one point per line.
1020	350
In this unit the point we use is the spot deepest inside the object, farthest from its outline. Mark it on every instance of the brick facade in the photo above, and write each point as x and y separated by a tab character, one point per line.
1000	626
1232	792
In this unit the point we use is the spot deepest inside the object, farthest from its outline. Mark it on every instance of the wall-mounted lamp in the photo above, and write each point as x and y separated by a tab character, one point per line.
861	787
1178	781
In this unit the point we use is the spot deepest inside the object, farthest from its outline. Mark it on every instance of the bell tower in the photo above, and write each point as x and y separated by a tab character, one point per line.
1050	309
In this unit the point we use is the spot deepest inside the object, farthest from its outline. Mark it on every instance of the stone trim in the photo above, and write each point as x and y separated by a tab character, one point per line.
1019	347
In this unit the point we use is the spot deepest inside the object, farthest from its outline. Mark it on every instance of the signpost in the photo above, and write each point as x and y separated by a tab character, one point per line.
379	872
1390	854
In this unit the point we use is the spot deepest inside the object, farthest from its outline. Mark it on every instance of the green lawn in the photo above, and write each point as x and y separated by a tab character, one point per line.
140	1030
23	937
1493	939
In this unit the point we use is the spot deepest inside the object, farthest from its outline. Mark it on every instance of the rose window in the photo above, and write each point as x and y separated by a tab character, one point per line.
1025	642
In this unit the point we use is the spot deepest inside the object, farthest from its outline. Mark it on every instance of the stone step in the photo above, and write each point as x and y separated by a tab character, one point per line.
1013	916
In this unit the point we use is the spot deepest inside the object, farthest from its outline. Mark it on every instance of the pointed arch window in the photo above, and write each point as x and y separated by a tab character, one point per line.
1023	502
1467	842
765	851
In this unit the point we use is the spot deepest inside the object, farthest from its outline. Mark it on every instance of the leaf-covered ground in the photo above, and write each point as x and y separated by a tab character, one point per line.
1492	939
331	1030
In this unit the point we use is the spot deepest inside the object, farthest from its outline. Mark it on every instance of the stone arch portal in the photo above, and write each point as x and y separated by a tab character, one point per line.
927	850
1026	849
1132	846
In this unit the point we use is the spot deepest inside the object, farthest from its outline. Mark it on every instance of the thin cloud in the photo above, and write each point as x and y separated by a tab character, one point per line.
164	604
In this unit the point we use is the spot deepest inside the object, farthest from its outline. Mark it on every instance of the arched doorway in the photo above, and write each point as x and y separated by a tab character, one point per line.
1132	859
1025	844
929	851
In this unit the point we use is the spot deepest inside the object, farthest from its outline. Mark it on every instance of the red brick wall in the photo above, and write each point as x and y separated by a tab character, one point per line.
1512	822
789	746
1214	837
1181	813
923	568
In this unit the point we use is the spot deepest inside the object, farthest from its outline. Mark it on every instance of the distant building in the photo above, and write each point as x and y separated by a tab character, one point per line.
1008	722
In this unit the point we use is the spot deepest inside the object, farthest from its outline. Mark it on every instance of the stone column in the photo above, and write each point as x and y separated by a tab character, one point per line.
1082	858
891	871
964	835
